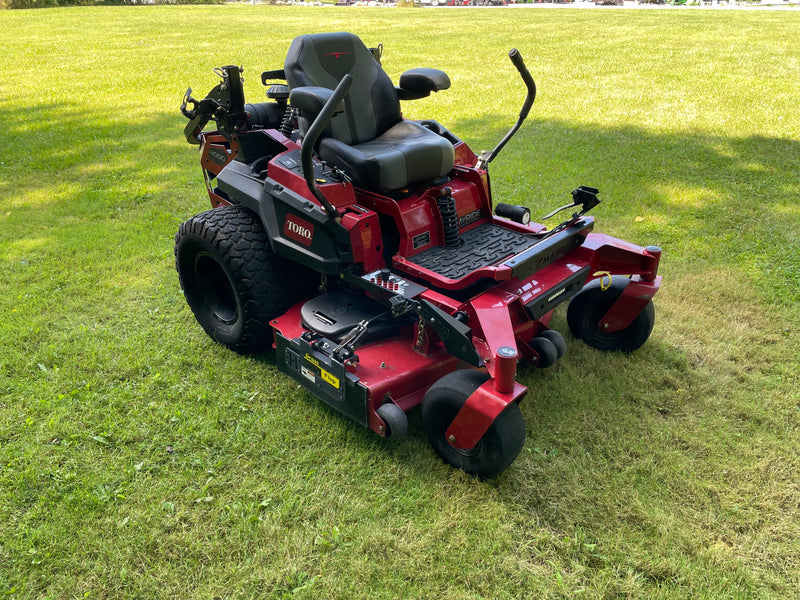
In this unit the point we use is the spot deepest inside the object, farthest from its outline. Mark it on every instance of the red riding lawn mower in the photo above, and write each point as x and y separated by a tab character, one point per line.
363	247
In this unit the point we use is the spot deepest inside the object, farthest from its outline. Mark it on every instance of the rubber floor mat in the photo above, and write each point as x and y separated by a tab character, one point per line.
483	246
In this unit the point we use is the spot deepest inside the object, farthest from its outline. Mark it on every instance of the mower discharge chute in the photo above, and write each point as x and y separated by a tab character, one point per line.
363	247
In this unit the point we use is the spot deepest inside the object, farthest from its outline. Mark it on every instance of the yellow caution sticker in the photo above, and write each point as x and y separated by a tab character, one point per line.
334	381
325	375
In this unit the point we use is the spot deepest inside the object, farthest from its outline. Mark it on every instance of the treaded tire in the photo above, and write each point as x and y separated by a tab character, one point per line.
499	446
232	281
589	305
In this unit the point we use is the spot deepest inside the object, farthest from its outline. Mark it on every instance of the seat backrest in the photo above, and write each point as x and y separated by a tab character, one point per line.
322	59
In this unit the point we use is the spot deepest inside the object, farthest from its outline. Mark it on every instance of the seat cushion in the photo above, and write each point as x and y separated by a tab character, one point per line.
406	153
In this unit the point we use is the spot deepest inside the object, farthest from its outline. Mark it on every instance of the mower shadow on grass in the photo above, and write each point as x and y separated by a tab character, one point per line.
81	162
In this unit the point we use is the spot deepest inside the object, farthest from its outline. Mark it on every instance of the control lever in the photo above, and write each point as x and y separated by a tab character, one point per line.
313	134
584	196
516	58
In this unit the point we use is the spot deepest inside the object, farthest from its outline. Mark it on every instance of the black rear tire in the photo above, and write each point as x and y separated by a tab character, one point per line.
499	446
589	305
232	281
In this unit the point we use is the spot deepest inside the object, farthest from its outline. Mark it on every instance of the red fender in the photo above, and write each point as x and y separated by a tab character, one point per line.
479	412
628	306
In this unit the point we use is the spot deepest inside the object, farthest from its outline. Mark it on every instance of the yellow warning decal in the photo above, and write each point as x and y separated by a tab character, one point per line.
334	381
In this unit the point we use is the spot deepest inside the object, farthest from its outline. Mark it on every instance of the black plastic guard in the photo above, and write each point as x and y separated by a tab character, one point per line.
457	336
550	249
549	299
328	245
323	376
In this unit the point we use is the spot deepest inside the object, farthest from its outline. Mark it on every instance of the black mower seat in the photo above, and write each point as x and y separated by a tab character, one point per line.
369	140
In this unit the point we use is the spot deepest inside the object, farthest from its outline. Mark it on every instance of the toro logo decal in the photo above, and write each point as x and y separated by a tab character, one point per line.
299	230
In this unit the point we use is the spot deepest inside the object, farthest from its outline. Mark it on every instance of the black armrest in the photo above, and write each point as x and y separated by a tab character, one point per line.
311	99
276	74
419	83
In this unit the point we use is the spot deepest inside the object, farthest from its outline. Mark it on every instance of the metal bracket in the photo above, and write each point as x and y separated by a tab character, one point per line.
584	196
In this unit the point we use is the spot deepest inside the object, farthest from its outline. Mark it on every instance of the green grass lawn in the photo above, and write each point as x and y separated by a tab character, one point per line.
140	460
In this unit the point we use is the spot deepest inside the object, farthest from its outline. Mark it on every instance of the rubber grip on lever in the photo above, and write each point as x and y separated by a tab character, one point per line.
516	58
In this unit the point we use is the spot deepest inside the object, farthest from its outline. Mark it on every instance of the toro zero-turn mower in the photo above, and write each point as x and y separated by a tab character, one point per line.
367	251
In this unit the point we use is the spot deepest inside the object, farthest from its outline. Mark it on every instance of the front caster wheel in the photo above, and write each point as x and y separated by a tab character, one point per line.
557	340
498	447
587	308
395	419
547	351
